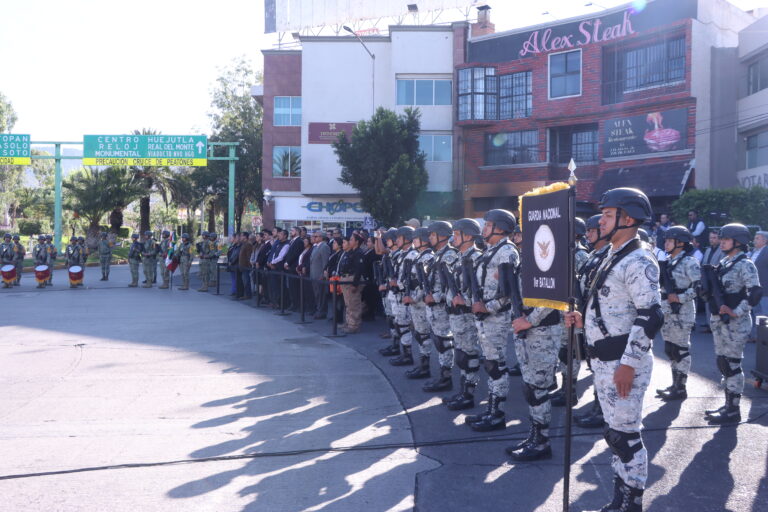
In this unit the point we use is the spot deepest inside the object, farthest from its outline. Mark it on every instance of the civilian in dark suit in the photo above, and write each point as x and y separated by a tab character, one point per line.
262	258
276	266
760	258
295	248
317	263
371	297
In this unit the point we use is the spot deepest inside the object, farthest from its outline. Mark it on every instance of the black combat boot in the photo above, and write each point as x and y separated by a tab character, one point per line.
393	349
462	386
625	498
536	447
421	371
677	390
730	414
593	418
558	397
442	383
404	359
494	420
465	399
719	410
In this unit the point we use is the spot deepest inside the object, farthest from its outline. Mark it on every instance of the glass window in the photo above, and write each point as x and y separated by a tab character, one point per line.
577	142
436	147
757	150
757	76
442	92
565	74
653	65
287	111
425	92
286	161
478	95
515	95
405	92
512	148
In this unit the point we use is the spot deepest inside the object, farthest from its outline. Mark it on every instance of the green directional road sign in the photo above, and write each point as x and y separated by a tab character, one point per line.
14	149
145	150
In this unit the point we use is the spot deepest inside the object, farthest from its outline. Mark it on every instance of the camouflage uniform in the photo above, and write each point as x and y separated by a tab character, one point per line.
419	319
402	311
438	317
213	258
628	301
149	258
105	257
7	256
737	275
165	246
42	257
19	252
53	254
134	260
203	263
676	331
389	307
184	253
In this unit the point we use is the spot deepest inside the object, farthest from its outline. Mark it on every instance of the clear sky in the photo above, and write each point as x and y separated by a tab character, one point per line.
75	67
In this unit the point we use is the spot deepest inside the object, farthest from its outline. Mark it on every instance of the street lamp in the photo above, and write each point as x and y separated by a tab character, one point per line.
267	195
373	67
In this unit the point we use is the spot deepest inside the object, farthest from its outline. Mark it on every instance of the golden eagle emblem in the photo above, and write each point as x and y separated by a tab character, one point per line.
543	249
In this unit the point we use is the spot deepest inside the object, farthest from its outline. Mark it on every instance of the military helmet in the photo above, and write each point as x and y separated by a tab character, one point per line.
7	235
679	233
594	222
81	239
643	234
204	234
49	237
736	232
41	238
441	228
103	235
72	239
407	232
149	232
185	235
502	219
166	233
135	236
213	235
389	234
580	227
422	234
633	201
467	226
16	237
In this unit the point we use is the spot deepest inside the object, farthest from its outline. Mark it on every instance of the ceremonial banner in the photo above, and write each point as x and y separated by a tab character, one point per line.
545	223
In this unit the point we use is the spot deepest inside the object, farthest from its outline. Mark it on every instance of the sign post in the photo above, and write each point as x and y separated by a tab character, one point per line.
547	219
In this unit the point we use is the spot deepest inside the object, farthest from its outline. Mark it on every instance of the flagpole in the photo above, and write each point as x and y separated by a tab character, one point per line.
571	334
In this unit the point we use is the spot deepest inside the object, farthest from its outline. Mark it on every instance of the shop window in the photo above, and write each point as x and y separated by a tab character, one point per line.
286	161
757	150
436	147
565	74
512	148
423	92
287	111
577	142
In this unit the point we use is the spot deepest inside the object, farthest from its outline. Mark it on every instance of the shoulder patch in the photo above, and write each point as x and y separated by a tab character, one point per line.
652	273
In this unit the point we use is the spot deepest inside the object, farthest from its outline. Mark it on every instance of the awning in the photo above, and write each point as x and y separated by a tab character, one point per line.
660	180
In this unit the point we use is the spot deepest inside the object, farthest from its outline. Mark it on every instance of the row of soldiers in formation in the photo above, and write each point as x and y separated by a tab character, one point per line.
460	302
147	252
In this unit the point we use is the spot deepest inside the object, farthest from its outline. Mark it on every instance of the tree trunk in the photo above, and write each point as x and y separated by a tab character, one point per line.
116	220
212	217
226	223
144	214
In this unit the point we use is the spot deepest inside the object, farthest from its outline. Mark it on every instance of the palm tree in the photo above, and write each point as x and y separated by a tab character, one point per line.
93	192
154	179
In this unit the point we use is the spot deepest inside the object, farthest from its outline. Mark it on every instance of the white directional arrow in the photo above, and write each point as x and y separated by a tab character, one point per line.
200	147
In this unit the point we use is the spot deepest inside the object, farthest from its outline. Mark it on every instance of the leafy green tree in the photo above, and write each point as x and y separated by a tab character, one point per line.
721	206
154	179
8	115
235	117
93	192
11	176
384	164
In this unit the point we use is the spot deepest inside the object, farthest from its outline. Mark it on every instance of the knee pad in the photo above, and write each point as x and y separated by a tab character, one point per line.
529	393
443	343
495	369
402	329
622	444
421	337
724	365
563	355
674	352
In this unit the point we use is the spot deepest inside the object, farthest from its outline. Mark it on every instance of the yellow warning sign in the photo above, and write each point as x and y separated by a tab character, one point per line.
15	160
148	162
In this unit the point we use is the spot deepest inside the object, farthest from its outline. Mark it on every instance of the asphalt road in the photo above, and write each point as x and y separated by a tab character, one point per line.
109	376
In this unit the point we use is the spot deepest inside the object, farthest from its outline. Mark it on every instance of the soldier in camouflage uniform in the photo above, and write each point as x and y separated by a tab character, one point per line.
53	254
42	256
493	316
213	258
388	261
622	316
437	314
417	306
593	418
184	254
105	256
401	284
203	261
731	322
580	258
165	247
149	253
680	272
19	253
7	255
134	259
461	318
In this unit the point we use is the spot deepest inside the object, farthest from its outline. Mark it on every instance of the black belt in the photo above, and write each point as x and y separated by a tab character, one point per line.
553	318
608	349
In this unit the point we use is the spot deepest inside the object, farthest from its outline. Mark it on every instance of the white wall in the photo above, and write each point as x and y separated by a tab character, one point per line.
336	87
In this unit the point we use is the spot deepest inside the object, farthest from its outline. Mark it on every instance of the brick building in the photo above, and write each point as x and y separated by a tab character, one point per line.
628	94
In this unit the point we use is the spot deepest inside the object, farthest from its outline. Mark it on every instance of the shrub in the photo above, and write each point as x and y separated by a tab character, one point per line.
29	227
